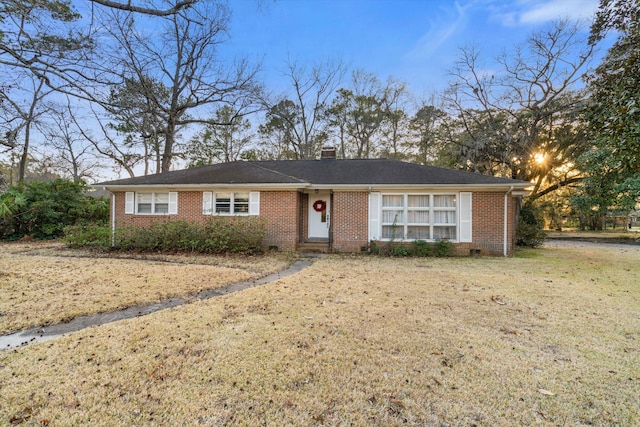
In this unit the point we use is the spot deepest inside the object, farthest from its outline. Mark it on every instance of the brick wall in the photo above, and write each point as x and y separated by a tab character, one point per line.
488	224
350	220
283	213
279	208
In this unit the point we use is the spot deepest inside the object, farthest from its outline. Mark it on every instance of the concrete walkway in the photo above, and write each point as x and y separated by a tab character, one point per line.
39	334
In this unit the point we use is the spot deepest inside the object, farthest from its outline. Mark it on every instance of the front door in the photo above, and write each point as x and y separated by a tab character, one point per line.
319	215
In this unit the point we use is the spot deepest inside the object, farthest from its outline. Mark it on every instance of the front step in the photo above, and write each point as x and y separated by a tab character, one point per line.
314	246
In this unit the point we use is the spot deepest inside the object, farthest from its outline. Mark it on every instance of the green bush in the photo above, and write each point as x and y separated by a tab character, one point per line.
421	248
44	209
218	235
417	248
442	248
88	235
529	232
399	251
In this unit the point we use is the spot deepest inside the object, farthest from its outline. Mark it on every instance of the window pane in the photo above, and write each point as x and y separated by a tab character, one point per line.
392	201
162	208
161	197
421	201
418	232
144	202
241	203
444	233
161	203
144	207
391	232
418	217
444	201
444	217
223	202
392	216
145	197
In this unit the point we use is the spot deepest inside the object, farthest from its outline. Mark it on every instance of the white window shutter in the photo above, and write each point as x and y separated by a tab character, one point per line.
374	216
465	217
254	203
207	203
129	202
173	203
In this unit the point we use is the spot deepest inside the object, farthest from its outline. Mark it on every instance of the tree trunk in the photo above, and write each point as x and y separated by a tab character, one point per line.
22	168
167	154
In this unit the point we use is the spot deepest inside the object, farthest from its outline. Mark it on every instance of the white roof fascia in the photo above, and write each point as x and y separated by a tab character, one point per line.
199	187
521	189
415	187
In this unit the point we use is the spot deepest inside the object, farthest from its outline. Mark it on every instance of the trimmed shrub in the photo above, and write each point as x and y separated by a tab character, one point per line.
399	251
442	248
89	235
216	236
417	248
421	248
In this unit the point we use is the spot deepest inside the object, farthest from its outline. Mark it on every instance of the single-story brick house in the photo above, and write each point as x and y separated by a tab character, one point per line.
336	205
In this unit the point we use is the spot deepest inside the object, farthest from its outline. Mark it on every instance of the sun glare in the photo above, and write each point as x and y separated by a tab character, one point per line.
540	158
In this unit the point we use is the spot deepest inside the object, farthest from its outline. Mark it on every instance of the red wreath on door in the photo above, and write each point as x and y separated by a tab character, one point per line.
319	205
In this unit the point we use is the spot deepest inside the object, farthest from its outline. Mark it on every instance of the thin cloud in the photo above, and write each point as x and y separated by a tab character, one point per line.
439	33
540	12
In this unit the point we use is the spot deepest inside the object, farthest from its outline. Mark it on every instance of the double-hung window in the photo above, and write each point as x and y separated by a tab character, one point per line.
419	216
230	203
152	203
444	217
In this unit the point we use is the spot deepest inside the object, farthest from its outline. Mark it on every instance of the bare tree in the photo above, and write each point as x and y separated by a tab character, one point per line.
70	153
180	53
146	10
514	121
296	121
21	113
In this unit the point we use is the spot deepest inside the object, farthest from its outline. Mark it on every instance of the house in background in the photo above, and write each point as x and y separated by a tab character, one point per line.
332	205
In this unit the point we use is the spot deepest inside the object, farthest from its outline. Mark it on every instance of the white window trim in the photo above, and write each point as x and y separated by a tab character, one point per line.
209	204
432	210
172	202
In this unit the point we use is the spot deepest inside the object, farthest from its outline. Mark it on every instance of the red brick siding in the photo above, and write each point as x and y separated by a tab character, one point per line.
350	221
282	211
279	208
488	225
488	222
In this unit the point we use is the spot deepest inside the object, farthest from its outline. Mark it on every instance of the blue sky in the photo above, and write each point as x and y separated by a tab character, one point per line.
415	41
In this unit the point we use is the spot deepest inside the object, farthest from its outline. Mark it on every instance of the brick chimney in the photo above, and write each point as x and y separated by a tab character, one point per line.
328	153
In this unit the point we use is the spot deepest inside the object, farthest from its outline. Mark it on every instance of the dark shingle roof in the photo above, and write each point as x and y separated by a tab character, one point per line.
223	173
318	172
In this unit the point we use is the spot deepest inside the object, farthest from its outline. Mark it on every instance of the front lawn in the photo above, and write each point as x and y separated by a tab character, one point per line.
549	337
44	282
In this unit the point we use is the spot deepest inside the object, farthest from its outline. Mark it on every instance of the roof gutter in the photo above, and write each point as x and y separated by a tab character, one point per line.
506	217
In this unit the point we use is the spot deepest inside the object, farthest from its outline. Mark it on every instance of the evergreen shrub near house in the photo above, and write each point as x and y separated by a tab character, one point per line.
42	210
417	248
216	236
529	232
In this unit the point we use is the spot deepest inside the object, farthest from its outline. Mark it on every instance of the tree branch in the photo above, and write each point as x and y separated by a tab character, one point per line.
145	10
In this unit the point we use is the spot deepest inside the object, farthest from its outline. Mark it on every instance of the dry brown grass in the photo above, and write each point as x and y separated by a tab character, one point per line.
44	283
550	337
